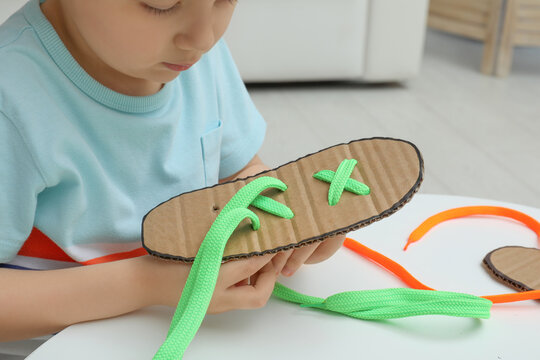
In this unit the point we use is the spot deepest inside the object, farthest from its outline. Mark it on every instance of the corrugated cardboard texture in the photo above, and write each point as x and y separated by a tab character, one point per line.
393	170
516	266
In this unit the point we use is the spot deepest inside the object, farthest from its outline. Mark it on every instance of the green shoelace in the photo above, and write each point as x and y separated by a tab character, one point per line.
365	304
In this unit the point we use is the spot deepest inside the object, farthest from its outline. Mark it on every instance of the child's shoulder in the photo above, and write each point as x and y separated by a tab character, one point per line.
13	29
21	55
19	46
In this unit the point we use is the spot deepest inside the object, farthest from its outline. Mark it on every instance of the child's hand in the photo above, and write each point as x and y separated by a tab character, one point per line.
311	254
232	290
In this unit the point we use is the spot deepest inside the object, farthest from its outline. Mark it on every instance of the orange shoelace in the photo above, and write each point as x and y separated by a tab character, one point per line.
421	230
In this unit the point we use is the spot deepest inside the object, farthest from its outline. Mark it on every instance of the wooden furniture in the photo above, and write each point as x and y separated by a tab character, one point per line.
521	28
476	19
499	24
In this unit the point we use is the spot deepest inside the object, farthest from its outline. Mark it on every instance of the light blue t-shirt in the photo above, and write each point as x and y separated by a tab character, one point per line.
84	164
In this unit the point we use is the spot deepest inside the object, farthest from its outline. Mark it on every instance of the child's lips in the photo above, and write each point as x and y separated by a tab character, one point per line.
175	67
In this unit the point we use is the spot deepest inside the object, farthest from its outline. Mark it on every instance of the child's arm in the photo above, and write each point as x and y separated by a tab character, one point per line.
255	166
35	303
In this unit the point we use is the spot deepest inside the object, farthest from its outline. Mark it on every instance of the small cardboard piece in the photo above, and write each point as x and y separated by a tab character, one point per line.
516	266
392	168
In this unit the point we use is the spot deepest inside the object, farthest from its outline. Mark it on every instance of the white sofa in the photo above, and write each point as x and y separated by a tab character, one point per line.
304	40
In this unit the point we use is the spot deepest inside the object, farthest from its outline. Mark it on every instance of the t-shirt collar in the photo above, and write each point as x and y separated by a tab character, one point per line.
71	68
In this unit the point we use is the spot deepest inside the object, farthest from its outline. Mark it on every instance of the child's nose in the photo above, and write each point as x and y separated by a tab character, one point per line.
198	35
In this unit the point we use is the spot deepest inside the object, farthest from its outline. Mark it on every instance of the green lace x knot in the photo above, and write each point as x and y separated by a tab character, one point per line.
340	180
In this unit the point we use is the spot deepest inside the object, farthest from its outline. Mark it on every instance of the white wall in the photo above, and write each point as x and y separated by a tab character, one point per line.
8	7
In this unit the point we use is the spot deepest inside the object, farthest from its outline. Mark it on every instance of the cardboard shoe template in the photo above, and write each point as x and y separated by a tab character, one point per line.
516	266
390	169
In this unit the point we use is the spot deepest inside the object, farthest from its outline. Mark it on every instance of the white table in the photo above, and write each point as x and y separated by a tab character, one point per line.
448	258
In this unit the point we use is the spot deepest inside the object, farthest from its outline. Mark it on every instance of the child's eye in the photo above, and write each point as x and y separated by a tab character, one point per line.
159	11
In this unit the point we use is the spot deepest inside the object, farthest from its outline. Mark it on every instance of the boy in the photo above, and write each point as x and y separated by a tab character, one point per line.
108	108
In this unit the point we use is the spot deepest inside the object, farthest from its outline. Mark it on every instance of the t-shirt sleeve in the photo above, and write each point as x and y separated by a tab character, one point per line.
20	183
243	126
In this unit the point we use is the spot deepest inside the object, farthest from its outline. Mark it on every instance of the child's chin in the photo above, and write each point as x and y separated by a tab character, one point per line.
166	76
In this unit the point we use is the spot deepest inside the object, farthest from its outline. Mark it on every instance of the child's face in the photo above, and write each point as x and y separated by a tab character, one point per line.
125	44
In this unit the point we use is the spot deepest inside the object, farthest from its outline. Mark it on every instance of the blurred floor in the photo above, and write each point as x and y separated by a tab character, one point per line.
479	135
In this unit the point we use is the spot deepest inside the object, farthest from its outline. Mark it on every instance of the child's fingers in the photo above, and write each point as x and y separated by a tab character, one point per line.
252	296
237	271
326	249
242	282
263	286
281	259
278	261
256	295
298	258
